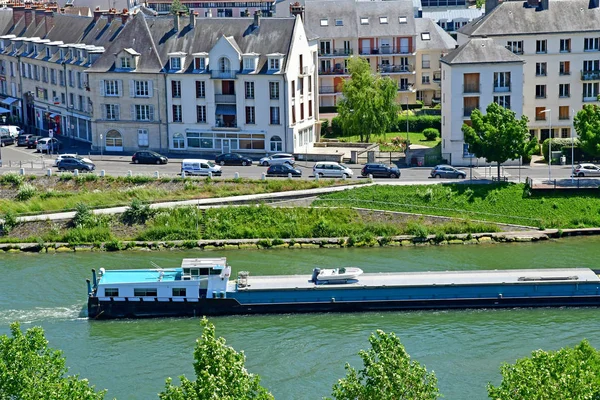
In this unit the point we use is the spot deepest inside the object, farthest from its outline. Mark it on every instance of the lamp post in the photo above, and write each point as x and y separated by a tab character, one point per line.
549	111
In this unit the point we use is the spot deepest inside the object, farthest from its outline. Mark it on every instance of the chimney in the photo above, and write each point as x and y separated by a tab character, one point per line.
39	16
594	4
49	19
176	22
28	14
111	15
544	4
97	14
125	16
297	9
18	13
257	15
192	19
491	4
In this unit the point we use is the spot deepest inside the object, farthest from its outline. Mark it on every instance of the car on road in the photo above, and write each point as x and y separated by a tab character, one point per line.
380	170
6	139
12	130
283	170
72	164
63	156
148	157
447	171
279	158
586	169
47	144
332	169
32	142
199	166
233	159
23	138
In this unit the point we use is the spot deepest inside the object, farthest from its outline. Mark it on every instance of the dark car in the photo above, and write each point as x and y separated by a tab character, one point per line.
380	170
71	164
148	157
22	139
6	140
283	170
32	142
447	171
233	159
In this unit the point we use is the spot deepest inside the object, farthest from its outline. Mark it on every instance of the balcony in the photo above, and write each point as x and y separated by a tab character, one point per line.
225	74
468	110
333	71
224	125
502	89
437	77
225	98
336	52
329	89
406	88
471	87
593	75
386	50
394	69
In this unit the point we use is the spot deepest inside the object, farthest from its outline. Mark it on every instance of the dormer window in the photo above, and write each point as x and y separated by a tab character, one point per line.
383	20
125	62
249	64
48	52
364	21
425	36
62	54
274	64
200	63
324	22
402	20
81	55
176	63
35	50
339	22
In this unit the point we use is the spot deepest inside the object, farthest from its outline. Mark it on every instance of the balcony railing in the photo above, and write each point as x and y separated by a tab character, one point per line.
405	88
437	77
219	123
329	89
225	98
471	87
586	98
394	69
334	71
225	74
468	110
335	52
593	75
501	89
386	50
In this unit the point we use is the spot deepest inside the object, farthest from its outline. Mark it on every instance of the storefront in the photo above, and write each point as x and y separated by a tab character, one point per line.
219	141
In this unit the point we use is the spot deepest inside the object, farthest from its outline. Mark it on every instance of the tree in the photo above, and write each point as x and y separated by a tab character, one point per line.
497	136
587	126
569	373
220	373
388	373
176	7
29	369
369	104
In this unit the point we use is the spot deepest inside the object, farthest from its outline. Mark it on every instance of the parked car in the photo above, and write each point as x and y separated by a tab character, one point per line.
23	138
47	144
12	130
233	159
586	169
279	158
447	171
193	166
148	157
63	156
380	170
332	169
283	170
6	139
71	164
32	142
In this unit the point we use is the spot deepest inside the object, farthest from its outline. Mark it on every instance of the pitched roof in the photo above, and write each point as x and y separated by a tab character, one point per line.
515	18
438	38
478	51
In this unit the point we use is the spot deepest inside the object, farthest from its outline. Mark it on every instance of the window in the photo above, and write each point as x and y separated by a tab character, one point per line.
541	46
141	89
176	89
564	68
301	86
201	114
249	64
177	113
383	20
540	69
53	76
145	292
111	112
293	114
111	292
402	20
249	89
563	112
590	91
143	112
565	132
501	81
502	101
276	144
45	74
274	120
274	64
178	292
565	45
564	90
324	22
61	79
176	63
274	90
591	65
515	46
199	63
310	109
69	73
301	111
143	138
79	81
178	141
425	61
540	115
111	88
293	89
425	36
125	62
540	91
339	22
364	21
250	116
80	104
48	52
200	89
591	44
425	79
309	84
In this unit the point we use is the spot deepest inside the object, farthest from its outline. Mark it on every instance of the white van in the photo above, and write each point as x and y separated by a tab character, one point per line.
332	169
12	130
199	167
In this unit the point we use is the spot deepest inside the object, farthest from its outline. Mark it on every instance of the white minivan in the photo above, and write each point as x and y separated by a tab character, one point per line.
332	169
11	130
199	167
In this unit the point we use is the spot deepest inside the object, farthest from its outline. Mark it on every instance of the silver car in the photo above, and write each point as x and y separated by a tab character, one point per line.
279	158
447	171
582	170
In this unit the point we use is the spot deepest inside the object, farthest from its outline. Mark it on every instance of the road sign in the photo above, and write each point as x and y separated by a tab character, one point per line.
51	132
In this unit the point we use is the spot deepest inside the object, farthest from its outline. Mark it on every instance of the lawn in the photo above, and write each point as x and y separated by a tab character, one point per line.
504	203
414	137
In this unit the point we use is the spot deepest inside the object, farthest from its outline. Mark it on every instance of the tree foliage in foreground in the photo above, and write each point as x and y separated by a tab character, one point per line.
498	136
388	374
368	106
220	373
567	374
587	126
29	369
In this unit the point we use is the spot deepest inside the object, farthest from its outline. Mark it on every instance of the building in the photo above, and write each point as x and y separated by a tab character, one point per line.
452	19
474	75
188	85
218	8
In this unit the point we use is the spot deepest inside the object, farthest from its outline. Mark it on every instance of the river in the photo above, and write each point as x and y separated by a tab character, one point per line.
297	356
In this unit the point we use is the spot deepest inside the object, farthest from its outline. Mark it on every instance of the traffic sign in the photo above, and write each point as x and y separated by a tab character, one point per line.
51	132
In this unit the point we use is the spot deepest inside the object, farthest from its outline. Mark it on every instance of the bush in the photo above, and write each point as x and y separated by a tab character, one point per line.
557	145
324	127
83	216
113	245
137	213
10	222
11	178
431	133
418	123
86	235
336	126
26	192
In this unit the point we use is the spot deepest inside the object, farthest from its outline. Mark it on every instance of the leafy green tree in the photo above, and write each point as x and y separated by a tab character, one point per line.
369	103
388	374
497	136
176	6
568	374
220	373
29	369
587	126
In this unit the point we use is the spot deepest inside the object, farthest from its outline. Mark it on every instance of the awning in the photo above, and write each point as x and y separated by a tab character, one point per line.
8	101
225	109
4	110
52	115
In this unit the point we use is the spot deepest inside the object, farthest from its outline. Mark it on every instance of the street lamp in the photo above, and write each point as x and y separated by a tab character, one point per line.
549	111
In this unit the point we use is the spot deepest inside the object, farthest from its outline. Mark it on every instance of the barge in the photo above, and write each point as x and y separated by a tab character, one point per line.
201	286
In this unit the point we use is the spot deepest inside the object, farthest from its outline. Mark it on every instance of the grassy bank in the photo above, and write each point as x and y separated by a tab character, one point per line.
506	203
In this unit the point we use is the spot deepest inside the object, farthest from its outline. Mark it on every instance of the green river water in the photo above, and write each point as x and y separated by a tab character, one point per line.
297	356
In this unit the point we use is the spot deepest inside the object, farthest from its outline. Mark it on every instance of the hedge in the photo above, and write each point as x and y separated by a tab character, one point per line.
557	145
419	123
